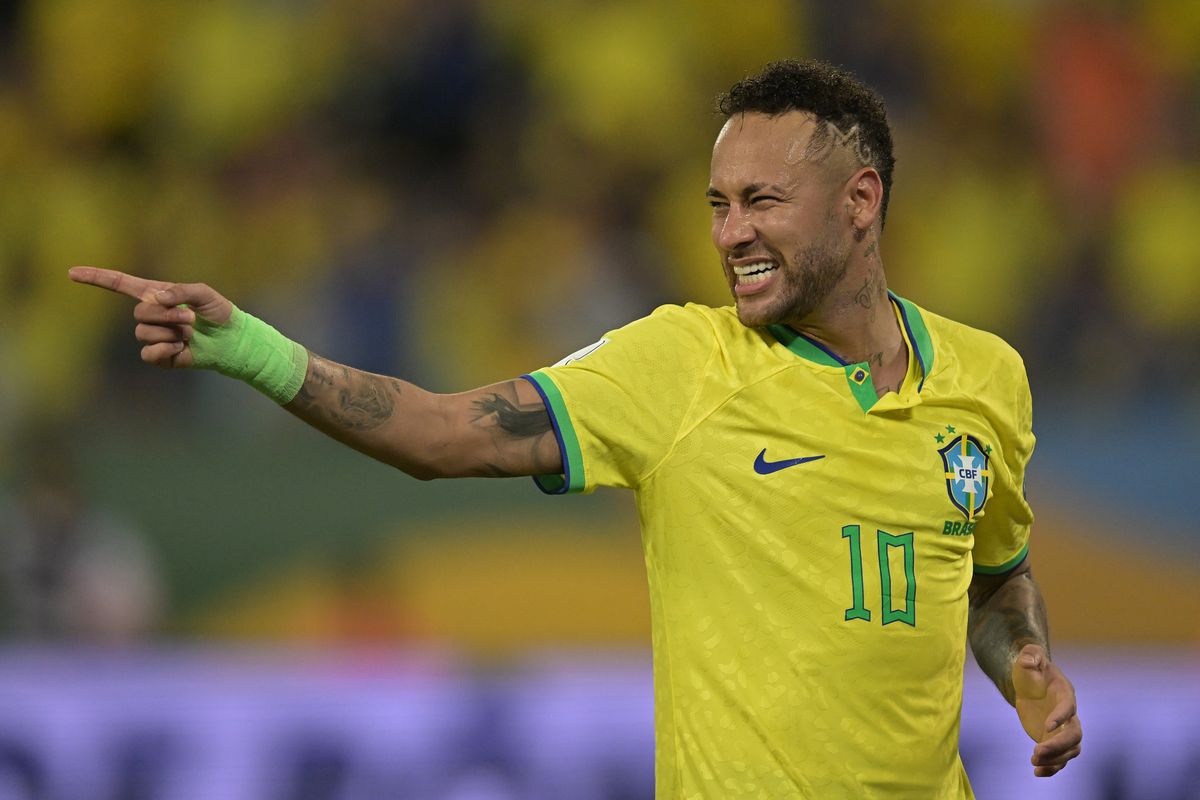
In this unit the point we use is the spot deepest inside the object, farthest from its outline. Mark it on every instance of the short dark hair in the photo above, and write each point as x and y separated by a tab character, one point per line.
829	93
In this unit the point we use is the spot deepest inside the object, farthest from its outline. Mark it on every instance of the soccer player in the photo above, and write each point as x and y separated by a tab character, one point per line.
829	477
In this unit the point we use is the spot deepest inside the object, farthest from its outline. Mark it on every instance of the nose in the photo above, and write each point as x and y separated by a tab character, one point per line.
733	230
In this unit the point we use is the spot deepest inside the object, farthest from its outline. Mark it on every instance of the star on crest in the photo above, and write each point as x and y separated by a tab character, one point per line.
987	450
950	429
940	438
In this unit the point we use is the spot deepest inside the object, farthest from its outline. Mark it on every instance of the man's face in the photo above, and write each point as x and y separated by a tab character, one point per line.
777	222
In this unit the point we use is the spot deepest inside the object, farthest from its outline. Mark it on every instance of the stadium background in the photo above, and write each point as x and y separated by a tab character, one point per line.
461	192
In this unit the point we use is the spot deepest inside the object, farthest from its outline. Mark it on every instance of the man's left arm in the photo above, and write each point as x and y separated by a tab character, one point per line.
1010	639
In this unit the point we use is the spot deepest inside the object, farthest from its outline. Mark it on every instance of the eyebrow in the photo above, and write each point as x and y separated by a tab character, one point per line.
749	190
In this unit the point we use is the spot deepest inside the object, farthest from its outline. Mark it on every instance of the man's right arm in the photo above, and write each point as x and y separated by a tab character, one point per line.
496	431
503	430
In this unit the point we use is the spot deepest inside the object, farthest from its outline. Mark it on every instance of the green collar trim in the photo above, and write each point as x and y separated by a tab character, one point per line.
805	347
918	334
858	376
914	329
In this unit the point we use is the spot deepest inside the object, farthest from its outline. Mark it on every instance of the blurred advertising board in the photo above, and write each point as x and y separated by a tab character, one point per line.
211	724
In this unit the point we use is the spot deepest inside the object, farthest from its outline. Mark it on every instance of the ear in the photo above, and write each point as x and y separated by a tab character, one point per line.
865	196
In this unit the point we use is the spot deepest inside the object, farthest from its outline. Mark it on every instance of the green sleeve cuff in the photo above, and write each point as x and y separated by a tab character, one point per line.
1007	566
572	479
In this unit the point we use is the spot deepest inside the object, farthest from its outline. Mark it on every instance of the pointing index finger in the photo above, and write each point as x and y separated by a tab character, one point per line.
119	282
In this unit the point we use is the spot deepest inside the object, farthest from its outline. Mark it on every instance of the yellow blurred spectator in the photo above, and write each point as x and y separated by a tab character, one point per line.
1156	248
628	76
972	238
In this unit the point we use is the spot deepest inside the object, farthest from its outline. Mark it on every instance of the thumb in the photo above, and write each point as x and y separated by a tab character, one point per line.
202	299
1029	673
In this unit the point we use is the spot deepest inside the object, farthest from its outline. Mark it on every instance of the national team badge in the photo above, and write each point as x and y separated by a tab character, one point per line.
967	474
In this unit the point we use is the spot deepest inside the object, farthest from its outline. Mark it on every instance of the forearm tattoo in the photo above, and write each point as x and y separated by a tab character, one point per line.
1001	624
346	398
425	434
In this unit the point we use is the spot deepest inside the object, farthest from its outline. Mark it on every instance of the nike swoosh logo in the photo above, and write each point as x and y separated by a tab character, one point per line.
764	467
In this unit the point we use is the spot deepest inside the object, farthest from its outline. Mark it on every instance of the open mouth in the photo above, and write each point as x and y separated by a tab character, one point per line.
750	274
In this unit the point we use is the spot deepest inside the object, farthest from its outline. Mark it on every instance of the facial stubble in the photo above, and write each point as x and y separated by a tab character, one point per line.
815	271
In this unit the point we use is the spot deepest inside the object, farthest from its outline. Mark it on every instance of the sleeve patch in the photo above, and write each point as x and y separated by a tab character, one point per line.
582	352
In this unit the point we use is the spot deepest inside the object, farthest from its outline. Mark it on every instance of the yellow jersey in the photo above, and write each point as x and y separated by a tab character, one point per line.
808	545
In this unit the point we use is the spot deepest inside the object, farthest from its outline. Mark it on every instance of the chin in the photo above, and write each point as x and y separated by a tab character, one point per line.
754	316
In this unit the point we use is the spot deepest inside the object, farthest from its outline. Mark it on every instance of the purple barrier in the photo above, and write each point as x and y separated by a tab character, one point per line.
282	725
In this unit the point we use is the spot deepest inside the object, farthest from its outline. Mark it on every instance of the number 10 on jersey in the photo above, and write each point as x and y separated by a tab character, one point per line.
885	543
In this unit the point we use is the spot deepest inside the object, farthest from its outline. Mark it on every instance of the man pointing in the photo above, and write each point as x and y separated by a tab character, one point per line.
817	556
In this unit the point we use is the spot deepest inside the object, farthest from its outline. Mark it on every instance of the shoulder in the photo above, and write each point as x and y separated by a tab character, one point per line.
694	315
682	327
970	354
670	336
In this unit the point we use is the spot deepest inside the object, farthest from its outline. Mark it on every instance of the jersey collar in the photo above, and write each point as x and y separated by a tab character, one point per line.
916	338
917	334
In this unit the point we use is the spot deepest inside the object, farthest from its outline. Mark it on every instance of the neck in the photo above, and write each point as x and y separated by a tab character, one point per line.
857	321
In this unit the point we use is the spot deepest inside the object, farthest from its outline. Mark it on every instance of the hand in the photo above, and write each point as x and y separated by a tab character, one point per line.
1045	702
164	328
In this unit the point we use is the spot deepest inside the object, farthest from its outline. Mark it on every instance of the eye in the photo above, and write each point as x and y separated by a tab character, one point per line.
763	199
717	204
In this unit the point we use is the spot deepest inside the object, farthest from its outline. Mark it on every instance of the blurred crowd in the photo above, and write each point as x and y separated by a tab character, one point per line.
516	177
460	192
71	571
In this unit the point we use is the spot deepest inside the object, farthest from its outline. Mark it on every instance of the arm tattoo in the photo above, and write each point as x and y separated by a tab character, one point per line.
523	422
492	433
349	399
1000	624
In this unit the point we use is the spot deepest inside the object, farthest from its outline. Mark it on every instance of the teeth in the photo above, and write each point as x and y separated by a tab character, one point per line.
757	277
757	266
754	273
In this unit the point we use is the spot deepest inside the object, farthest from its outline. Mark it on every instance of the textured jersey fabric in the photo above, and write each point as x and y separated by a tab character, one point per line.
808	548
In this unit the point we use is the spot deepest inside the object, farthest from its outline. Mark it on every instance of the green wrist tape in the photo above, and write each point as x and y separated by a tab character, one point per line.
250	350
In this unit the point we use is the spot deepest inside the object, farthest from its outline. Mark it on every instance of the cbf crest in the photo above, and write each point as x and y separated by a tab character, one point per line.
967	474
